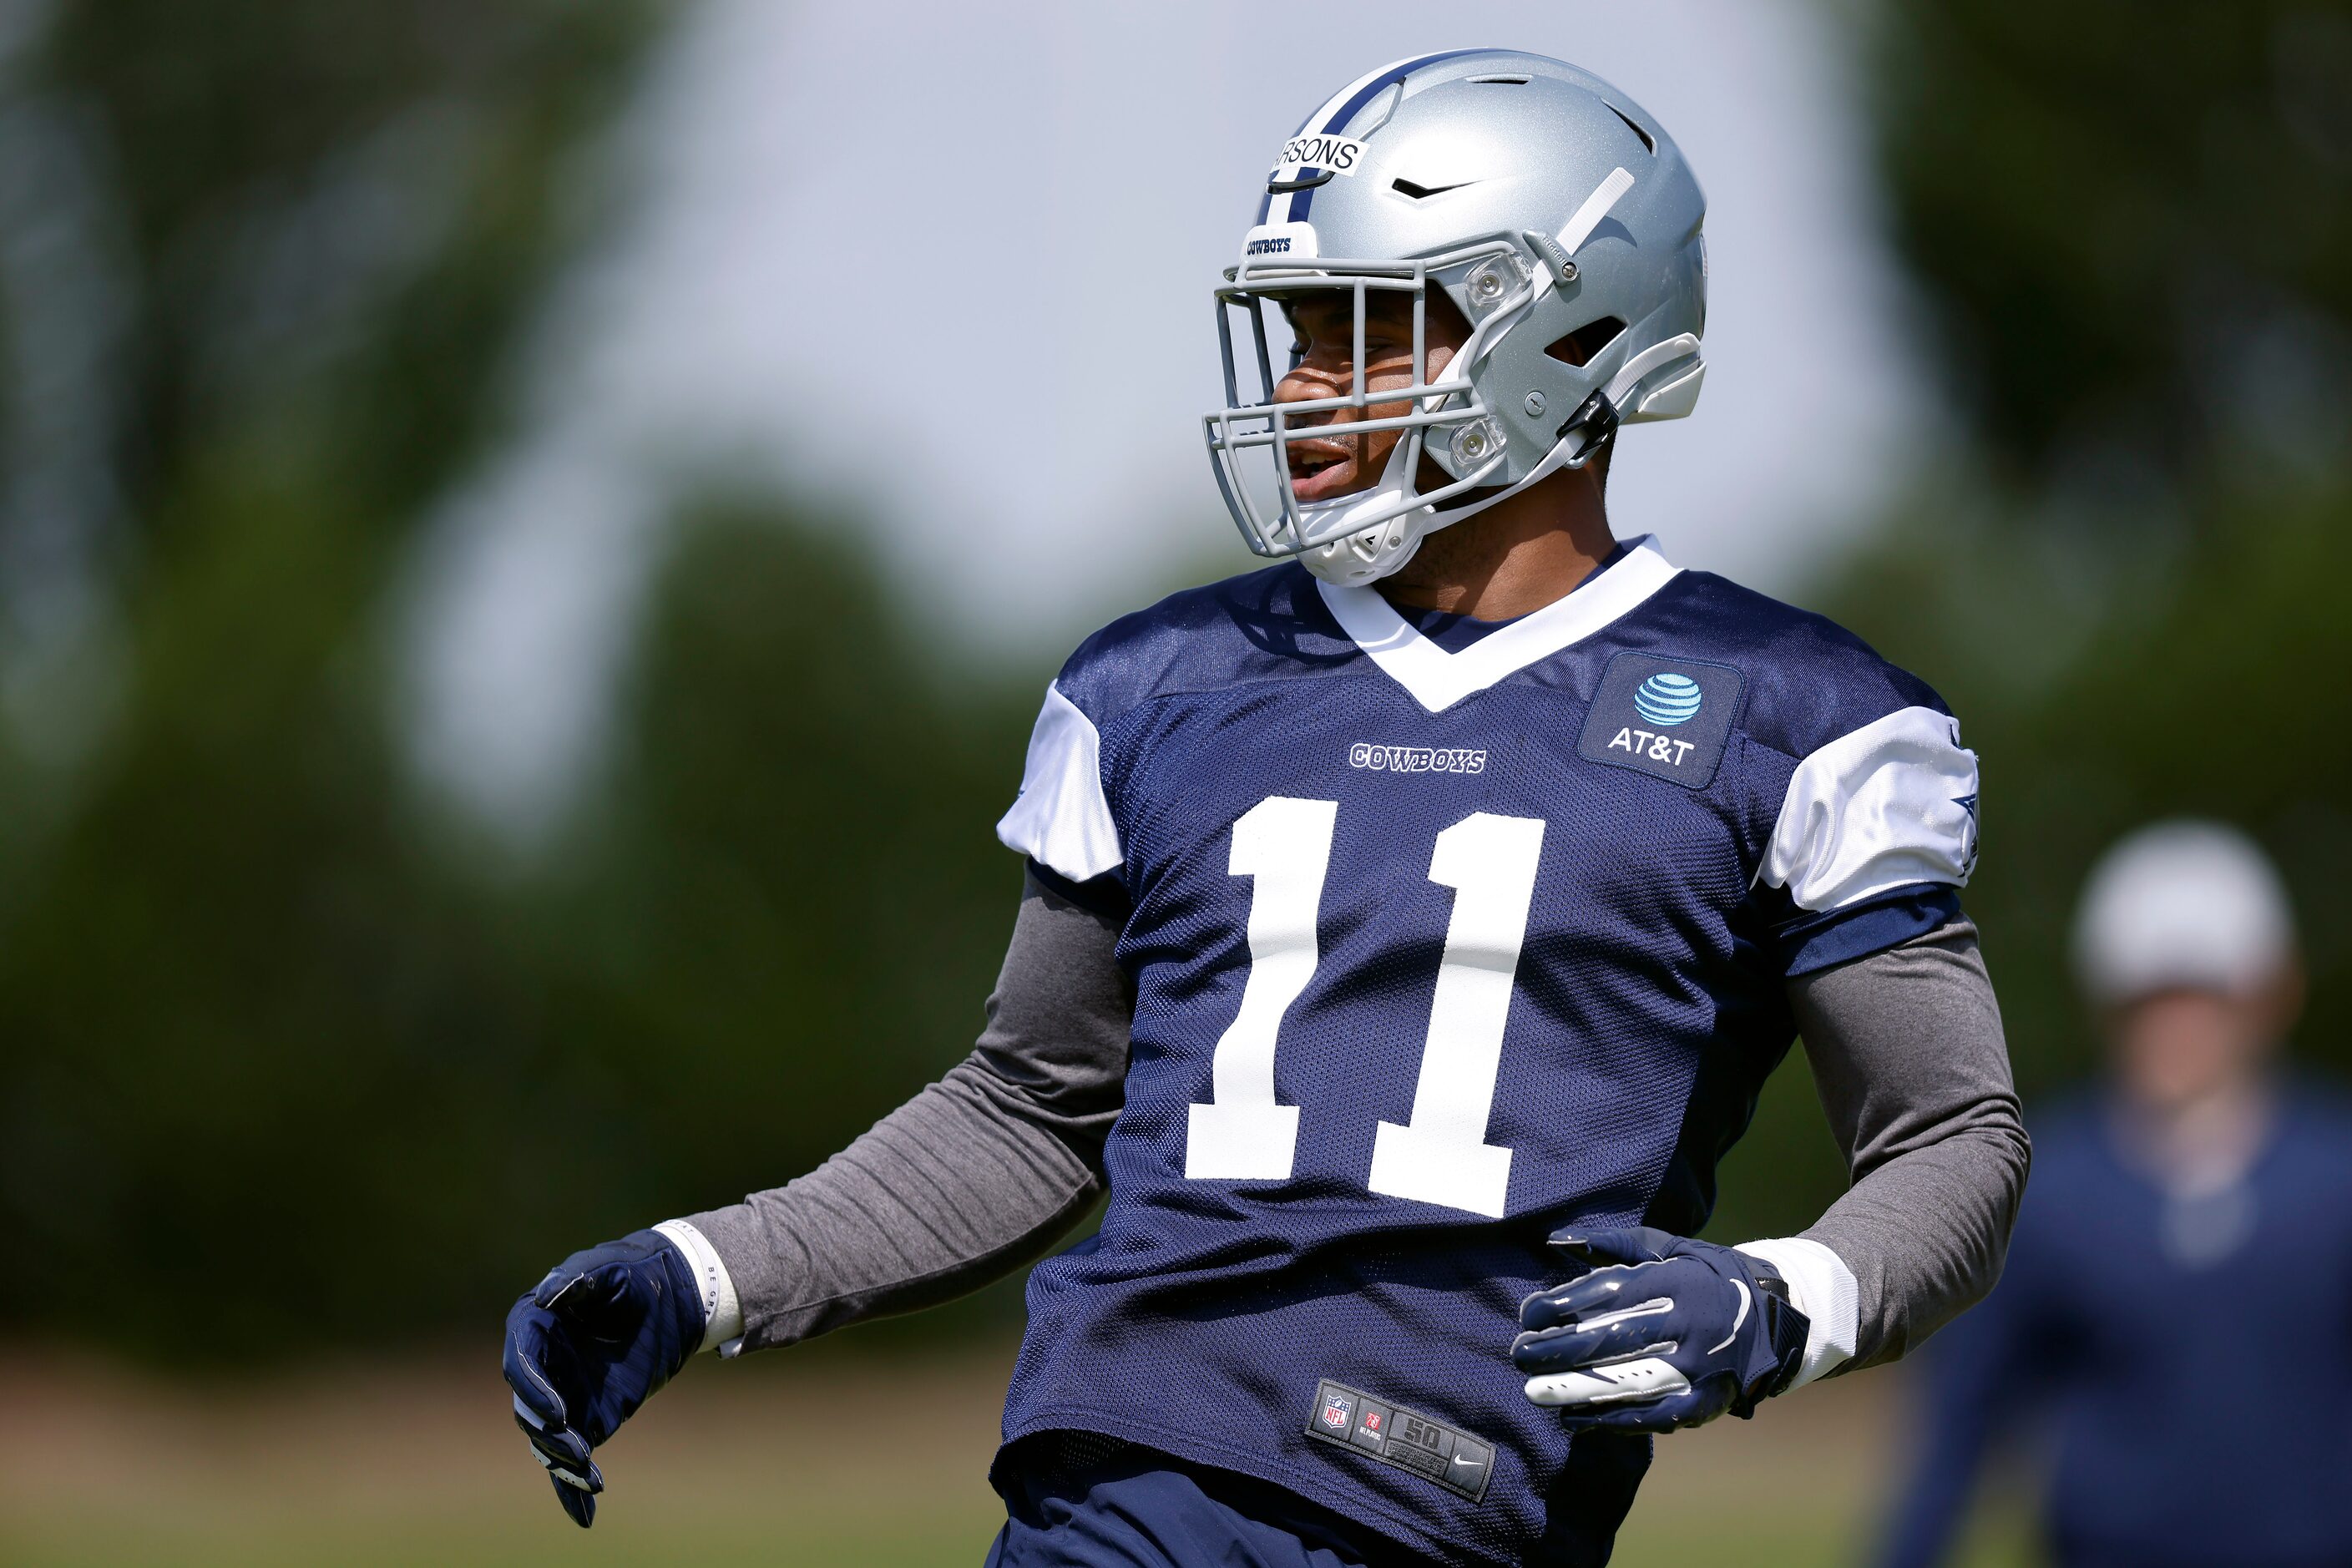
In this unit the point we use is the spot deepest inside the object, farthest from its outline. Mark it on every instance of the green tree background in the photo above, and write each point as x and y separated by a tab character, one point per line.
257	1002
2129	226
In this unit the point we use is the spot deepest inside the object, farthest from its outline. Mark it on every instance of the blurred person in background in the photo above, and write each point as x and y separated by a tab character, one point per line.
2177	1302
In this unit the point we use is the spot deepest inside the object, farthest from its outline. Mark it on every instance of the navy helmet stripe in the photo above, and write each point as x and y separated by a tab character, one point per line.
1387	78
1304	201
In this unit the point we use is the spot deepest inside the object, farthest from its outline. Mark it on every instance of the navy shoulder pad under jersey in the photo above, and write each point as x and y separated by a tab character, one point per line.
1440	944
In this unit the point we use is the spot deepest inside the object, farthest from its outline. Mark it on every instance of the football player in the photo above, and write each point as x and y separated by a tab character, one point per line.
1408	927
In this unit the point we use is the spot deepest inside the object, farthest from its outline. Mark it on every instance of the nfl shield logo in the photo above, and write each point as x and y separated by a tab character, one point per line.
1336	1408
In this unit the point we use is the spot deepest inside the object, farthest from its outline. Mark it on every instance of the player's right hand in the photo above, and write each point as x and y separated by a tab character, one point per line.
1656	1331
595	1339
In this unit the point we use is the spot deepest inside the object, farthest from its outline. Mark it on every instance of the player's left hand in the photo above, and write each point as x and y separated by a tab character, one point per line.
1655	1331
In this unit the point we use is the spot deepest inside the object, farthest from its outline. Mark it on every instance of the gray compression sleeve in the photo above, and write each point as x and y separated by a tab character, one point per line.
1907	1052
985	1170
977	1175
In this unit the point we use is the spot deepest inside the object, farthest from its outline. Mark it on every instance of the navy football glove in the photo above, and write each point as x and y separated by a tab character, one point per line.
1655	1332
598	1338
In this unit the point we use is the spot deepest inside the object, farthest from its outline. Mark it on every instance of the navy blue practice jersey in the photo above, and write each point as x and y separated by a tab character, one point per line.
1436	950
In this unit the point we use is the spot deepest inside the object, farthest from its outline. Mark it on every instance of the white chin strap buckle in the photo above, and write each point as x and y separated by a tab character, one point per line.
1366	556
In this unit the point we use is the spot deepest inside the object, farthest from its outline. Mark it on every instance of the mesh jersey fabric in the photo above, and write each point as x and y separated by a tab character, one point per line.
1078	1500
1647	1009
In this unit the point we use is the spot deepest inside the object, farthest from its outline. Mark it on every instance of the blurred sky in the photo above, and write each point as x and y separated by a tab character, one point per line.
953	264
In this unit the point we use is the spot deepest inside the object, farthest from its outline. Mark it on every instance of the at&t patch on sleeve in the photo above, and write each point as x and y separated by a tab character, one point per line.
1669	717
1350	1418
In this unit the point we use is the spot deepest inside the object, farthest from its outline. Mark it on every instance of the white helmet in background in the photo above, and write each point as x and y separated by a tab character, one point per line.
2181	904
1553	211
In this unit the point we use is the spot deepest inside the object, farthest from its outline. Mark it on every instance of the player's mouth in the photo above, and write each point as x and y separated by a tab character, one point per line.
1320	469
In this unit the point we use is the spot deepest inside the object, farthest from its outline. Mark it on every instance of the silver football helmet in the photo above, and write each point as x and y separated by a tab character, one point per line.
1558	217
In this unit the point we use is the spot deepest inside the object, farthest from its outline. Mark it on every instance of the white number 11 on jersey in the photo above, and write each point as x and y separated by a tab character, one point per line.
1441	1155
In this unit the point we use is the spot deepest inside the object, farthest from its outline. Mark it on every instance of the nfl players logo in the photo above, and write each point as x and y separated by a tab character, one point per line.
1336	1408
1371	1420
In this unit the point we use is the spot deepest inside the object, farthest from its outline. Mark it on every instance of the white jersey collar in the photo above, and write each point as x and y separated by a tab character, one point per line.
1438	680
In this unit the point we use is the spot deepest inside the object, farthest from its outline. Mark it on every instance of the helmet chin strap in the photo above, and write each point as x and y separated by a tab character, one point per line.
1393	487
1365	554
1370	554
1374	553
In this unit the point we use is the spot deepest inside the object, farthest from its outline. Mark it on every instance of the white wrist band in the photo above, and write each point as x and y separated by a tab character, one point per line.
1822	1287
722	1314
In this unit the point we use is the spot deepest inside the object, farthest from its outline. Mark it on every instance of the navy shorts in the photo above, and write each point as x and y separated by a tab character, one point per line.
1073	1500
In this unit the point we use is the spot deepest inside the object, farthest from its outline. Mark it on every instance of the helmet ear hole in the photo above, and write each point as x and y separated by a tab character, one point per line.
1586	343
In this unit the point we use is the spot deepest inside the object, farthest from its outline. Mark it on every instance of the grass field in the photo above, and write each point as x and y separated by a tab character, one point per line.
818	1456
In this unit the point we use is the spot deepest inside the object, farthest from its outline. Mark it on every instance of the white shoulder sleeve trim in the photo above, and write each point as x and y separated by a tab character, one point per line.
1061	820
1892	804
722	1312
1822	1287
